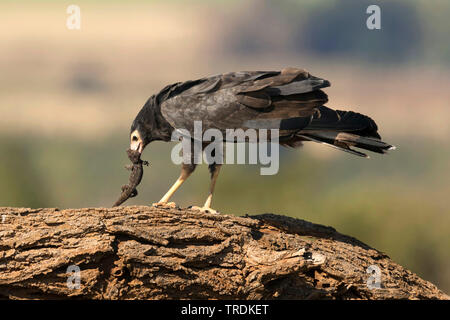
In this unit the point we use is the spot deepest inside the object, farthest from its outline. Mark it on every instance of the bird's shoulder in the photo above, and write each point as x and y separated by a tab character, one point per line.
242	81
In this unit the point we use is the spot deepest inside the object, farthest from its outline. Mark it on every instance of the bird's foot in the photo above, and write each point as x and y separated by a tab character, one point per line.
204	209
170	205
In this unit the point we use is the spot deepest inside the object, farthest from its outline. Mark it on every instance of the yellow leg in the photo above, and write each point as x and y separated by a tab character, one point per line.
186	171
214	176
215	169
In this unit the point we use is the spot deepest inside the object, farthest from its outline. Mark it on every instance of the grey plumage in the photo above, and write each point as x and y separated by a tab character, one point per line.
290	100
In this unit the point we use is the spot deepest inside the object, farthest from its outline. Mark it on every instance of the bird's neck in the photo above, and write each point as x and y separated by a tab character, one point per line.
161	129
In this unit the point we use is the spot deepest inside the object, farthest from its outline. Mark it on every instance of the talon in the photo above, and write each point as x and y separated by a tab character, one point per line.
204	209
171	205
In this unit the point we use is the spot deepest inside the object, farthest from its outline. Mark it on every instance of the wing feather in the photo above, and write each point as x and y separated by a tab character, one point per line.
256	99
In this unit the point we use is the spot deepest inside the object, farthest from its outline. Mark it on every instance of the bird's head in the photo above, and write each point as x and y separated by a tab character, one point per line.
139	137
149	125
142	128
140	132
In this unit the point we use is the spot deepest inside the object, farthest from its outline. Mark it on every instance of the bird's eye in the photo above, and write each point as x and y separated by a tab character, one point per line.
134	138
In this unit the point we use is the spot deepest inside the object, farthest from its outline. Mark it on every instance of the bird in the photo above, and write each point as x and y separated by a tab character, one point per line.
290	100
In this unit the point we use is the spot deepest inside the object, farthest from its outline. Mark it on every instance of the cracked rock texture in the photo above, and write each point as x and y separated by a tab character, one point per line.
160	253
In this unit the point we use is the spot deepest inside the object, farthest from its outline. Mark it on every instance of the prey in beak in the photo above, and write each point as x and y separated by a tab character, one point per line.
136	142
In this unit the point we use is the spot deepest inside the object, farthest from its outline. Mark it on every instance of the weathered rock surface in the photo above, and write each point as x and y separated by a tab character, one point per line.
156	253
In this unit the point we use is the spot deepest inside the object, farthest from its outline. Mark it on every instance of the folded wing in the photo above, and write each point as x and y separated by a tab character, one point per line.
284	100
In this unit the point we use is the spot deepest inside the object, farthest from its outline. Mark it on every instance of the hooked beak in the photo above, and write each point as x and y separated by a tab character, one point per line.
137	146
136	143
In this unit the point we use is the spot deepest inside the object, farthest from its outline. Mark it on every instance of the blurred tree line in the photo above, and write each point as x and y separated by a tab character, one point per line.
337	29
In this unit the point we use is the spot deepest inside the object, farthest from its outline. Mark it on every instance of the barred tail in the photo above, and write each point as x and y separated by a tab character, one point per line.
345	129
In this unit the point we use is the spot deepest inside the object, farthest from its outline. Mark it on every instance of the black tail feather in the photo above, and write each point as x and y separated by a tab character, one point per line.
343	121
343	141
330	144
345	129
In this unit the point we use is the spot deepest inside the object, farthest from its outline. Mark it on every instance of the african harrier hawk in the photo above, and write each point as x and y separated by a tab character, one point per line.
289	100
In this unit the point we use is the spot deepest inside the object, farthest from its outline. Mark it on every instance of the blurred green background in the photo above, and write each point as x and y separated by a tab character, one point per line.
68	97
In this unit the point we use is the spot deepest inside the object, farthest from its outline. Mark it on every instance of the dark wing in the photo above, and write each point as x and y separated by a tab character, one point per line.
284	100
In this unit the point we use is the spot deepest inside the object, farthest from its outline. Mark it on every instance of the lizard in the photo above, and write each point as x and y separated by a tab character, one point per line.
137	171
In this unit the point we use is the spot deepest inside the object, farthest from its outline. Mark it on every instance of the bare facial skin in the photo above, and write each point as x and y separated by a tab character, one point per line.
136	142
